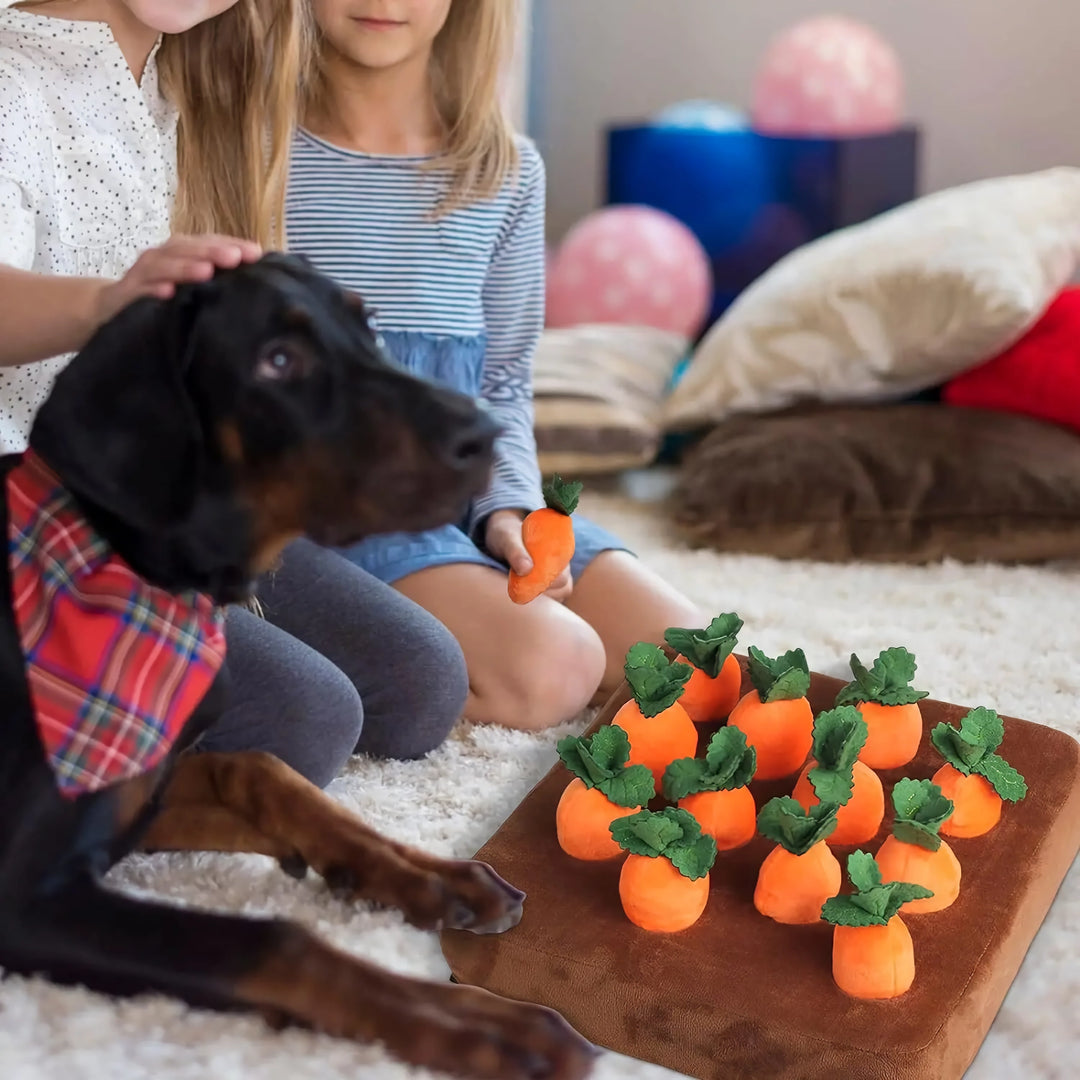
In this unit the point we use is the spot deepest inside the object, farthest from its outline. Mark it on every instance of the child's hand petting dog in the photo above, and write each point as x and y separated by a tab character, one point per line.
502	537
180	259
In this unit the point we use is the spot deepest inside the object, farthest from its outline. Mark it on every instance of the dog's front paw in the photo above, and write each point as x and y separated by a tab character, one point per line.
477	899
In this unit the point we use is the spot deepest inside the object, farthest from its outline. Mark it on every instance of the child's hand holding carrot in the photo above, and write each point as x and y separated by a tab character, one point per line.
540	548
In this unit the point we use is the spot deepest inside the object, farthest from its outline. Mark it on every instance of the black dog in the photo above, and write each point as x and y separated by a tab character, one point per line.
188	443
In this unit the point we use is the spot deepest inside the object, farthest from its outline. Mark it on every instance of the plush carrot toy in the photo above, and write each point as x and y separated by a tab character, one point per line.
775	716
872	956
713	689
836	775
714	789
801	872
915	852
604	788
890	707
659	729
664	883
975	777
548	536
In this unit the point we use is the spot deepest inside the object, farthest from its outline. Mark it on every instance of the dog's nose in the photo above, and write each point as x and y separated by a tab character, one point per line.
471	444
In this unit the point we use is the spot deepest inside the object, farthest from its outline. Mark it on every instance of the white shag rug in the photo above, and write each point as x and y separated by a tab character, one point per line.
1005	637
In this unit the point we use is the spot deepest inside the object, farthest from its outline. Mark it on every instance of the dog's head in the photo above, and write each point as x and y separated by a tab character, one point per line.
249	410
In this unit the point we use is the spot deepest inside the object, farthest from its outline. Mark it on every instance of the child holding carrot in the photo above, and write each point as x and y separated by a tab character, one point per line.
409	186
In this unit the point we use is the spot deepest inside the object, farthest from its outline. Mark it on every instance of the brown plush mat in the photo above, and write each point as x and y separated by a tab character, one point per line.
739	997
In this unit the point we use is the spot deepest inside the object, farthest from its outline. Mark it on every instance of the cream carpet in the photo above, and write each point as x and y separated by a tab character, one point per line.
1003	637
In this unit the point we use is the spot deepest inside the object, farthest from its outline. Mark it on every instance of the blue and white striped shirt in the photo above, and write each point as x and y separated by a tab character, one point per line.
477	272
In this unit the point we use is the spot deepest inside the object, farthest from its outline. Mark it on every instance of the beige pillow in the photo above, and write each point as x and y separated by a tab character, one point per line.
881	310
598	393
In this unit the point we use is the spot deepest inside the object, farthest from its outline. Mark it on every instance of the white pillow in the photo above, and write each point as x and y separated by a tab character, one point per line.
881	310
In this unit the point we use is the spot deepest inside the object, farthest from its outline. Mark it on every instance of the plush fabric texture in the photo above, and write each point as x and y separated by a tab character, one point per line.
883	309
597	396
903	483
1038	376
739	997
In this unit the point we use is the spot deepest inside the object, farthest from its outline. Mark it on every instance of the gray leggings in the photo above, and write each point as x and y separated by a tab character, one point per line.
341	663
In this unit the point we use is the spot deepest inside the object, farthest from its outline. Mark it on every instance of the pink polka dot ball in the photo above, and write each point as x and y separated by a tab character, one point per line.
631	265
828	76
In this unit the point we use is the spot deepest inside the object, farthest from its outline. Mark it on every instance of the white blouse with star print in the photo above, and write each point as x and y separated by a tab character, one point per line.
87	171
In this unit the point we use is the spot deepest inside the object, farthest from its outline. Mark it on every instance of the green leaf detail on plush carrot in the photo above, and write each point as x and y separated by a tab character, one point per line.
728	764
783	679
670	833
600	762
839	736
921	810
783	821
562	495
872	904
888	682
657	683
707	649
972	750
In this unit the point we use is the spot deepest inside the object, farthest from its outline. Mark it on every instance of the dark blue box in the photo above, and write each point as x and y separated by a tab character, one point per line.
751	198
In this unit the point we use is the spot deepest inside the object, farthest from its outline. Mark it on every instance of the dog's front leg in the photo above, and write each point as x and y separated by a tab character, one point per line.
254	802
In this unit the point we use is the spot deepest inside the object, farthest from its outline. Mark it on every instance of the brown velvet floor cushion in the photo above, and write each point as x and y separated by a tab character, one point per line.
904	483
739	997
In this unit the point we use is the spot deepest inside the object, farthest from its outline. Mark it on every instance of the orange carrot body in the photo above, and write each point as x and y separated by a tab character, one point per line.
859	819
780	731
729	817
656	897
792	888
938	871
548	536
873	962
582	819
706	699
893	734
977	806
657	741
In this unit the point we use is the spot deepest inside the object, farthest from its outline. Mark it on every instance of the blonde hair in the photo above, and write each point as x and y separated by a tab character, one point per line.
237	81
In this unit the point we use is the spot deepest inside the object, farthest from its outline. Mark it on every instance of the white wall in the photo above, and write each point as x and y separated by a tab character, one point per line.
995	83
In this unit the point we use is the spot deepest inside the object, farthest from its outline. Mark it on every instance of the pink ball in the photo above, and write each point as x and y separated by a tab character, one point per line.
828	76
631	265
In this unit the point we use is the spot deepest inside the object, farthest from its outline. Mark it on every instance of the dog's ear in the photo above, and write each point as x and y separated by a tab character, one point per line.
120	427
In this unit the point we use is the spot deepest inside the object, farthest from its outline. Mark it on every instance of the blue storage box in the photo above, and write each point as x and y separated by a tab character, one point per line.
751	198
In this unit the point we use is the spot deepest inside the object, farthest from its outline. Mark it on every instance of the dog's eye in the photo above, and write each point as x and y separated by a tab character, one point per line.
279	363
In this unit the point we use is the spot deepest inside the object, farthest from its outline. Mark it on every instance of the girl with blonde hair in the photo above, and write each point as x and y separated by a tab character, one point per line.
143	144
409	186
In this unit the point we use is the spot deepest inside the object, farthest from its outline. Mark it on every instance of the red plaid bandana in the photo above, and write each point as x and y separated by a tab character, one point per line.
115	665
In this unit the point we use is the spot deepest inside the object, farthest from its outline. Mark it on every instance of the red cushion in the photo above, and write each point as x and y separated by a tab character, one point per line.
1038	376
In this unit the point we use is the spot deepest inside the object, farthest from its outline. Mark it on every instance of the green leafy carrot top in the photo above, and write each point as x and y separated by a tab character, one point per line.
921	809
657	683
707	649
670	833
601	762
728	764
888	682
872	904
971	750
783	679
839	736
562	495
785	822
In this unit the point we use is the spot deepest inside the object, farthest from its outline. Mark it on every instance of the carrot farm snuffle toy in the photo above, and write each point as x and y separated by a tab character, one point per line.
714	789
664	884
872	956
775	716
548	536
836	775
713	689
604	788
915	852
974	776
890	707
659	728
801	872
